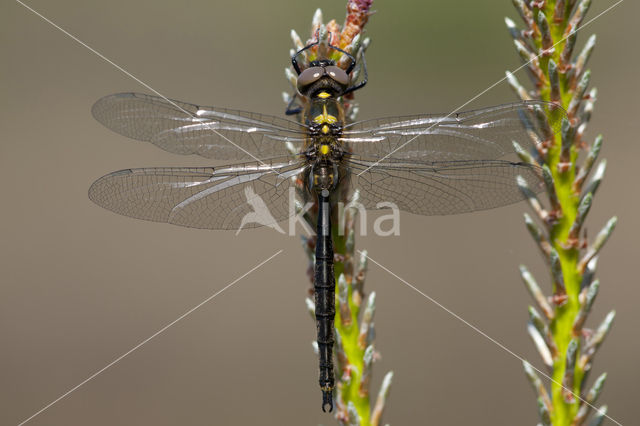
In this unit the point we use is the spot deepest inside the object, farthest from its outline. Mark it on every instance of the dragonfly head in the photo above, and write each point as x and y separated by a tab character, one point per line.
323	79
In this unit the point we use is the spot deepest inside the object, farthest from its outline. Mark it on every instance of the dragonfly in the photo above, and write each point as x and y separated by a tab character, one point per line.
433	164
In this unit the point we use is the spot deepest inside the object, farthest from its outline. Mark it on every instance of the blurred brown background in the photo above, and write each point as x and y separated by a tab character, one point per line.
80	286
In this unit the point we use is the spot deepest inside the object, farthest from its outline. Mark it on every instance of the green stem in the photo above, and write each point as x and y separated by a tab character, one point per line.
559	79
349	331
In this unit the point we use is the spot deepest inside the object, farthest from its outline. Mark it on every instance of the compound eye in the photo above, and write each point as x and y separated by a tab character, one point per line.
308	76
338	75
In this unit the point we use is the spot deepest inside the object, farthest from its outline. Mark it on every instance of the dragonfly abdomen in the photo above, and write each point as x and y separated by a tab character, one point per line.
324	286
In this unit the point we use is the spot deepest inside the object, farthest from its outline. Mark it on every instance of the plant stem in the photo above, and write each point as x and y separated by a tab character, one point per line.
548	40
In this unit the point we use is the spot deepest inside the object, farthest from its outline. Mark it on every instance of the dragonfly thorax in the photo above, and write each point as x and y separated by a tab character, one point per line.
325	117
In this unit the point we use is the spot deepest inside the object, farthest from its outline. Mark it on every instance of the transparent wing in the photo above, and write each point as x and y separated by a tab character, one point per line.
440	187
231	197
486	133
183	128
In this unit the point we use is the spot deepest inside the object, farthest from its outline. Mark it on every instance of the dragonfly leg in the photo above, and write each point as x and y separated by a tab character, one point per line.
292	108
365	78
294	61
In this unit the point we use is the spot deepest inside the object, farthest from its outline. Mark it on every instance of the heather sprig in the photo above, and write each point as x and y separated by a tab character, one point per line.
558	74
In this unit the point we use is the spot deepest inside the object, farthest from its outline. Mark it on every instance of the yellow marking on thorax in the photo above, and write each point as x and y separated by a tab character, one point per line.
325	129
324	117
324	95
324	149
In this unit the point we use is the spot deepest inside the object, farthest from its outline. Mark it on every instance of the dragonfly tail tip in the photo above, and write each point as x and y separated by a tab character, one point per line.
327	401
